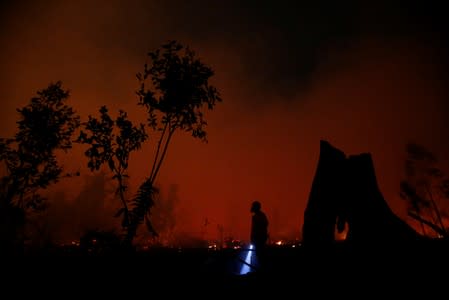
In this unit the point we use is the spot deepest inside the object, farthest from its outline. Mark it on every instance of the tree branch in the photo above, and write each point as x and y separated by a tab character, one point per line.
435	207
434	227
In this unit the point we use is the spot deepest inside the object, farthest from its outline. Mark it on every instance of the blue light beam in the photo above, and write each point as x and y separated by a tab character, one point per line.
246	266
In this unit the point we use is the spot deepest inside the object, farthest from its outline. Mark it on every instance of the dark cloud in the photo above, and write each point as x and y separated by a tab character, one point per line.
279	44
282	42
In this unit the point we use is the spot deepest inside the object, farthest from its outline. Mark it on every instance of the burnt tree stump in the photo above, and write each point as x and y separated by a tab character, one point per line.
346	189
326	195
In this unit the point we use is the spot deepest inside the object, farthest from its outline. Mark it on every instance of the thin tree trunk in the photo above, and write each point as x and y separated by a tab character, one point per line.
164	152
159	144
121	194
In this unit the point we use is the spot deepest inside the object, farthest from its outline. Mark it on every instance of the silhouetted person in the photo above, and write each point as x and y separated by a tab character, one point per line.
259	231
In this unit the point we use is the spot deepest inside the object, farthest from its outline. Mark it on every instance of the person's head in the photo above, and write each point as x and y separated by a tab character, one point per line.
256	206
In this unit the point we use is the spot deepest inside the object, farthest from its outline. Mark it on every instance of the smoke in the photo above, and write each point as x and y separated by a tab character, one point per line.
88	206
368	79
164	215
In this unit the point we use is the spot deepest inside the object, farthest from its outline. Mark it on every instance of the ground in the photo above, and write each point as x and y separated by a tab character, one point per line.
214	274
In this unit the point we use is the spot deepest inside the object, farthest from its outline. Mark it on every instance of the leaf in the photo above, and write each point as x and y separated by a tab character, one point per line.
111	164
141	203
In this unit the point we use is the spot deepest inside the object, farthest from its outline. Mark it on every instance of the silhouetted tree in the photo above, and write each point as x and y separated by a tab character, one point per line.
175	98
111	143
45	126
424	189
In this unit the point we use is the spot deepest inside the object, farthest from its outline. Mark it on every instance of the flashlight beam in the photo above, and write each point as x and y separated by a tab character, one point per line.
247	261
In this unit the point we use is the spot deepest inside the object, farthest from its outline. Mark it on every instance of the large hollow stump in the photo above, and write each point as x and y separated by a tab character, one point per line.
346	189
325	197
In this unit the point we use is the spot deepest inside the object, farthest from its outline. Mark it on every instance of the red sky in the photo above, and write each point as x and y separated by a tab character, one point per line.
369	93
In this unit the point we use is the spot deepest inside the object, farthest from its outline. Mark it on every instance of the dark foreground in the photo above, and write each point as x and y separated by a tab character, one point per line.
196	271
